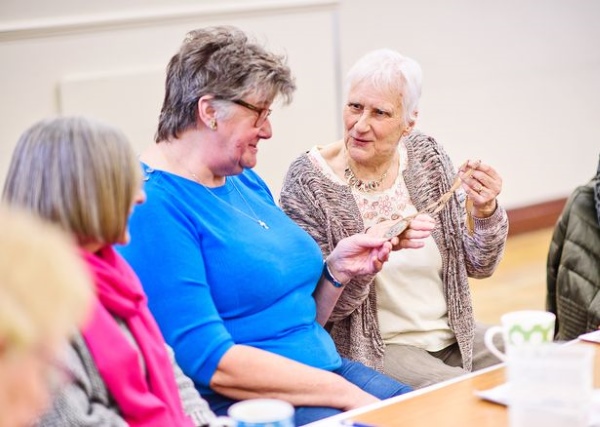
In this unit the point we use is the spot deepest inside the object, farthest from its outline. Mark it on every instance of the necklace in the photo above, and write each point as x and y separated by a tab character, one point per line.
359	184
254	217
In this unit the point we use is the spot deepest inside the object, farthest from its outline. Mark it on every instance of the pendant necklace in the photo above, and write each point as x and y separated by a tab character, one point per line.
253	217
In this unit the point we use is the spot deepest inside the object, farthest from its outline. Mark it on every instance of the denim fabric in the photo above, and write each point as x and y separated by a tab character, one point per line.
364	377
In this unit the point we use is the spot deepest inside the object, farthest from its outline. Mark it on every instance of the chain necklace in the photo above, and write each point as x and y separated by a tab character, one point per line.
253	217
359	184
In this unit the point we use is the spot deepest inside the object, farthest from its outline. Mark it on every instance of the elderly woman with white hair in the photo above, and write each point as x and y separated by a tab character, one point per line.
414	319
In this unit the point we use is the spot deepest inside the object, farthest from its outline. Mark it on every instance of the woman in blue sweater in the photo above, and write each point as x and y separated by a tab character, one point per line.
238	289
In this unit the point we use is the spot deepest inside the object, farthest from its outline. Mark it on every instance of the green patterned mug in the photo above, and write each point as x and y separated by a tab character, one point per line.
526	327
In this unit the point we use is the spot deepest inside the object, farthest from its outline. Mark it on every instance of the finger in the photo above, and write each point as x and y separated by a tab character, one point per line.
368	241
485	182
487	173
411	244
474	164
382	258
482	177
469	165
485	168
472	186
382	255
394	240
476	196
424	217
377	265
416	234
421	225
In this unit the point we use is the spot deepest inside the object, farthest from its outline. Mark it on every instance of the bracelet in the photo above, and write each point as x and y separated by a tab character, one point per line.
329	276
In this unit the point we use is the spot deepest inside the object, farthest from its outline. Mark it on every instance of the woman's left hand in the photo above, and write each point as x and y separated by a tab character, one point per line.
358	255
482	185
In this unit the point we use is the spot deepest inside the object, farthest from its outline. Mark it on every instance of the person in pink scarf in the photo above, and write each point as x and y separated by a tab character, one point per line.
84	176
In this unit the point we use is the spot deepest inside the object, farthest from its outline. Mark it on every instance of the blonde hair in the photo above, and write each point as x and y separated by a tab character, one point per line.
77	172
45	289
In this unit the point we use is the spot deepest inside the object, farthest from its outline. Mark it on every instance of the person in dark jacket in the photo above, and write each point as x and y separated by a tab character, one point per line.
573	269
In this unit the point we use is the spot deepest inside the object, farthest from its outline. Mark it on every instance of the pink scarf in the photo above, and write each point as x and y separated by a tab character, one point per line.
150	400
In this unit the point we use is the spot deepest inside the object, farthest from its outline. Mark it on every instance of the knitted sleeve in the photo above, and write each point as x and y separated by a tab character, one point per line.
328	212
430	174
85	401
193	404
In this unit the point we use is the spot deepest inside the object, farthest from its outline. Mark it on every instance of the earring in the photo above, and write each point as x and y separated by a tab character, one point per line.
213	124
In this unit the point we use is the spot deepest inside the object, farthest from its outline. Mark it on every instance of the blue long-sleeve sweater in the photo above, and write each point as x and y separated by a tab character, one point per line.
214	277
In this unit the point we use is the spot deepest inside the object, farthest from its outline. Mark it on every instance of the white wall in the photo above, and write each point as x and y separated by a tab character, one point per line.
515	83
111	65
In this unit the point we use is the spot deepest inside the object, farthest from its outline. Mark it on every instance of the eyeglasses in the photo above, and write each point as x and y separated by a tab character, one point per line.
263	113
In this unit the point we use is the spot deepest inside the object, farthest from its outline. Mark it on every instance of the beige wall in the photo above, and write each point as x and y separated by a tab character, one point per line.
514	83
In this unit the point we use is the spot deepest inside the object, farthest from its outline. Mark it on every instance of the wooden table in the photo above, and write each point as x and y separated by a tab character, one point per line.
451	403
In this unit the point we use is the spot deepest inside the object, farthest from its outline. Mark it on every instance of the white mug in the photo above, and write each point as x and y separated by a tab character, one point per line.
526	327
258	413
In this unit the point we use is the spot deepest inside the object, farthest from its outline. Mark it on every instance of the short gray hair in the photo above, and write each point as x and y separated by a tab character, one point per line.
223	62
388	69
77	172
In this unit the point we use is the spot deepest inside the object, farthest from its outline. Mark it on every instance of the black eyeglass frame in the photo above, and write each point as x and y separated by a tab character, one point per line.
263	113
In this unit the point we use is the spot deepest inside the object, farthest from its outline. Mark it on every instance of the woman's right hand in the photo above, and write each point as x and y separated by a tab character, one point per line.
419	228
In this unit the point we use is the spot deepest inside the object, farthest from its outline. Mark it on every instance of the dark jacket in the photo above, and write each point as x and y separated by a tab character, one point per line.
573	269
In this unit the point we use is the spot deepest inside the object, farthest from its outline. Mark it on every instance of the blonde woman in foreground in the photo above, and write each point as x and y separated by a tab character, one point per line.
45	294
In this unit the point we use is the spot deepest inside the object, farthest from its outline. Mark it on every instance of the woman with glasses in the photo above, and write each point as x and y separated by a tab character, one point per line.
45	294
84	176
237	288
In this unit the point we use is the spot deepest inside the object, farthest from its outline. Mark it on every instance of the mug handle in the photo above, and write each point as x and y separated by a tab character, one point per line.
488	339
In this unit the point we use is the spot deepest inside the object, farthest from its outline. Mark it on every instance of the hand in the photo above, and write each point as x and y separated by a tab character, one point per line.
482	186
418	229
358	255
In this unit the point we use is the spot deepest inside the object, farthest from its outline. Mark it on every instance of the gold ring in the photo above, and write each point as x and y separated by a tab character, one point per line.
479	189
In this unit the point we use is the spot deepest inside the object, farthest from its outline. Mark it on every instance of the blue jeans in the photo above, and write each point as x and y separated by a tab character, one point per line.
368	379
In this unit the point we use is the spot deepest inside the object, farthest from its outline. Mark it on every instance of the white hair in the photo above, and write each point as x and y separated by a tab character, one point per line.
388	69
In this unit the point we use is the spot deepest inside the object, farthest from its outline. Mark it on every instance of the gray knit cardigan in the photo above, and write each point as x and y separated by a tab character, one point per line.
328	212
86	402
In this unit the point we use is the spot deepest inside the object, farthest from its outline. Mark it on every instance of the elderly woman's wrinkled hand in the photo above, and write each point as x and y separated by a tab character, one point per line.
482	184
417	229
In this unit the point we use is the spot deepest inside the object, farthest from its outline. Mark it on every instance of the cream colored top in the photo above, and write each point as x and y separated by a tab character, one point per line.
410	298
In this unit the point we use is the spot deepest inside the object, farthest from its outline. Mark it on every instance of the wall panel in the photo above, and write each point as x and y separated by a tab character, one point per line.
111	66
